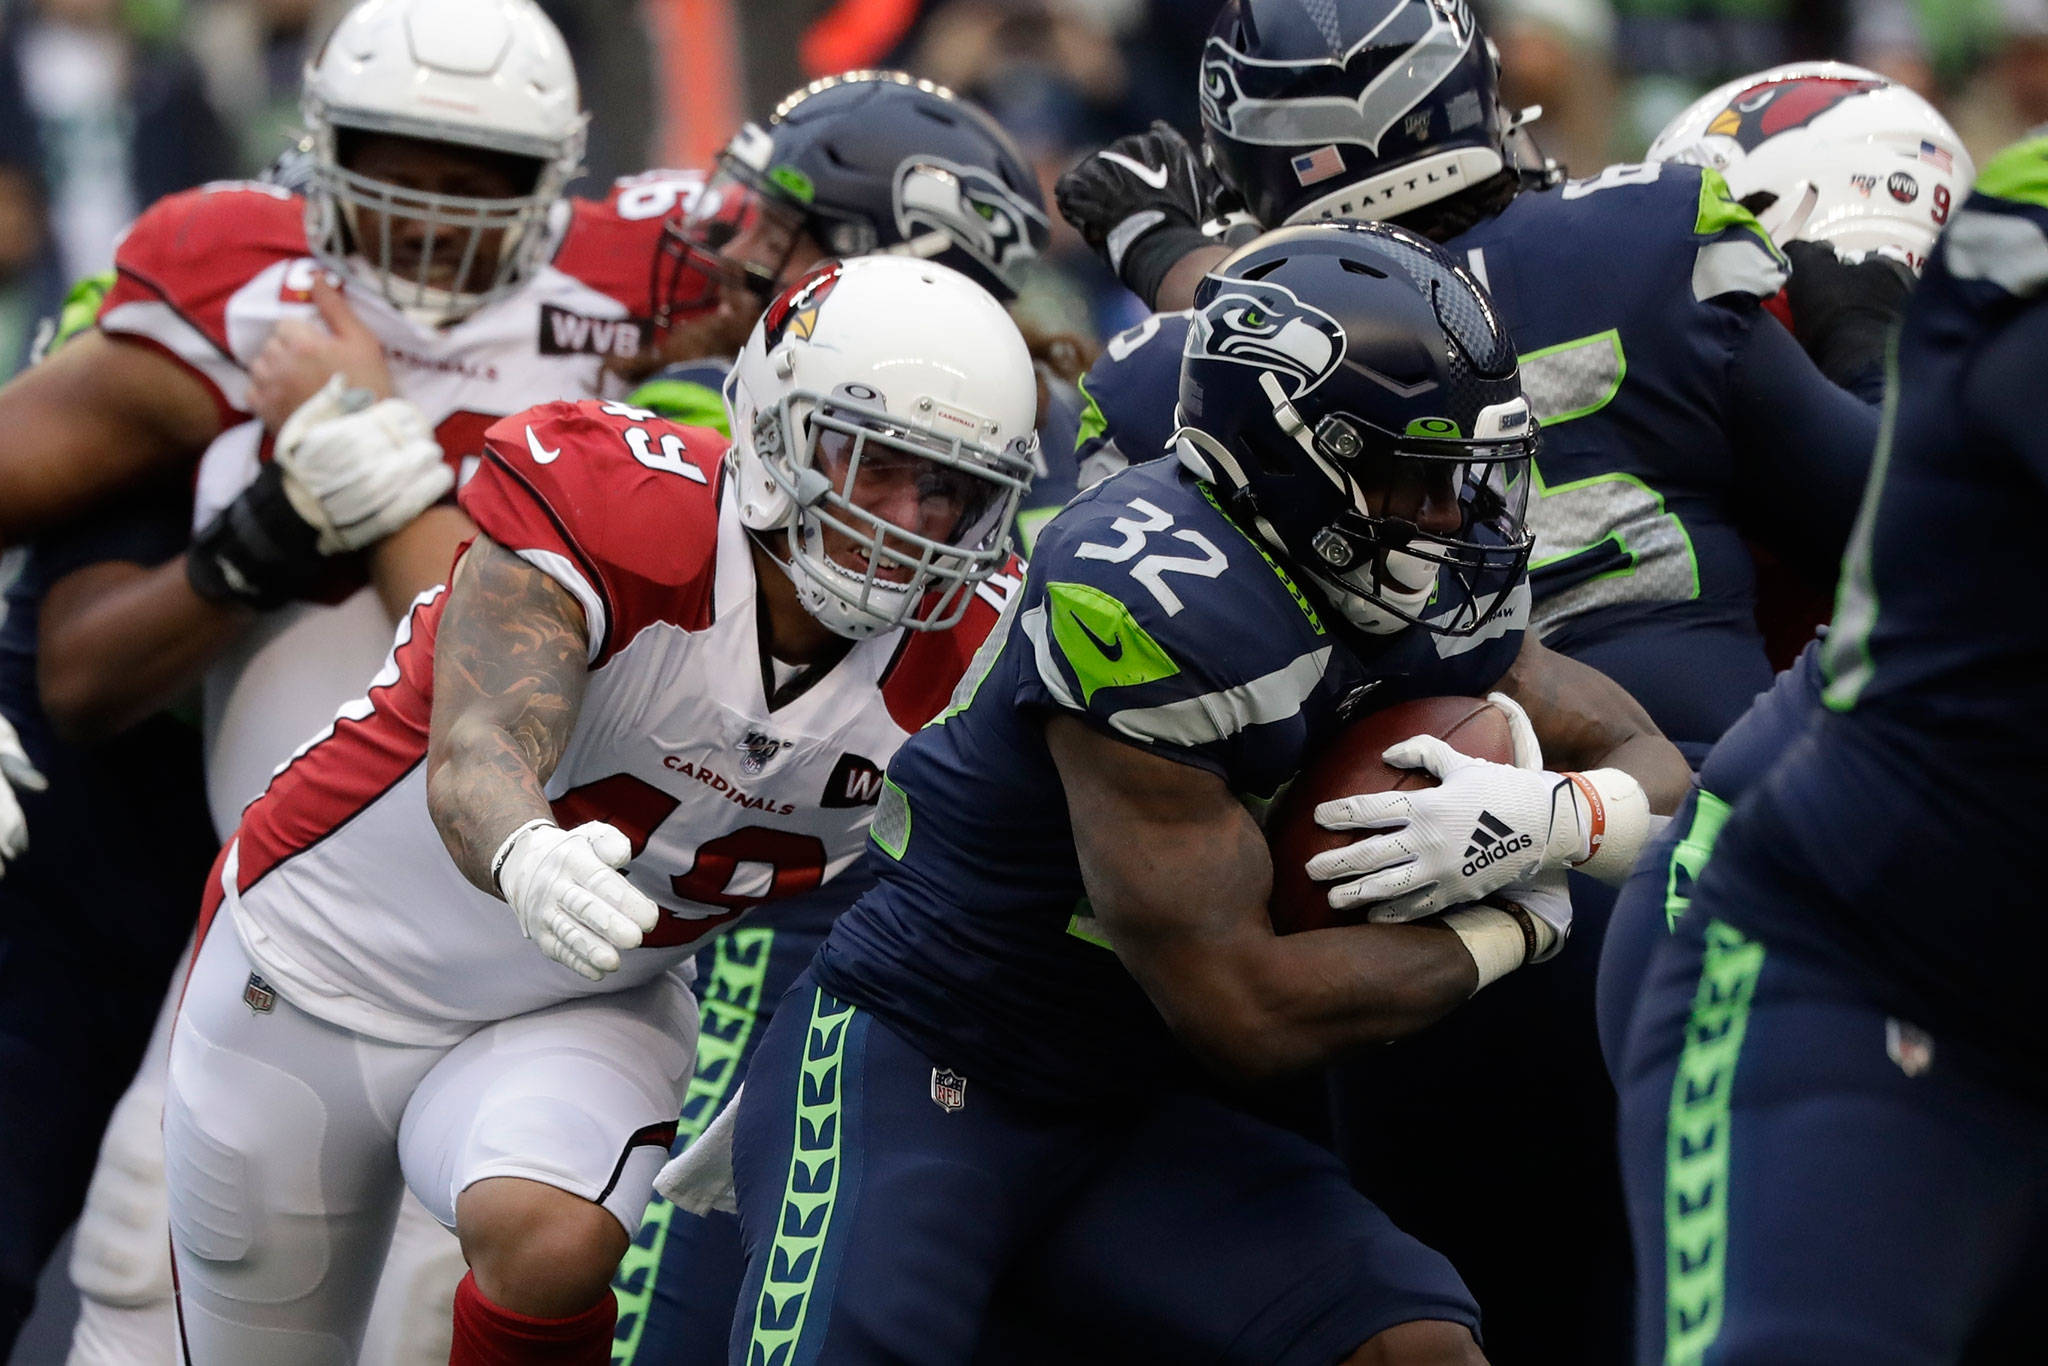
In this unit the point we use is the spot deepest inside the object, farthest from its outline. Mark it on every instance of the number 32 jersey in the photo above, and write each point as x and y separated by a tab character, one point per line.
1149	616
341	889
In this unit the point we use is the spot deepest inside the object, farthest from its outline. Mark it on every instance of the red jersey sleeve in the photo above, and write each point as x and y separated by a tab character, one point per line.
920	680
184	260
615	504
610	244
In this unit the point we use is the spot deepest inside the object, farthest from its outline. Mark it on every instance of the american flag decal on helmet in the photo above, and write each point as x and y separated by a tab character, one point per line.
1318	165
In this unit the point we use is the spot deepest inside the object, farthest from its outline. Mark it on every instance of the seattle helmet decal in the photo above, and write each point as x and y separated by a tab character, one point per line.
1262	325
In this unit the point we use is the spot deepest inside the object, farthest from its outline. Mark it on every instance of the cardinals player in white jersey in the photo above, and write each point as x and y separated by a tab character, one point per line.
656	653
443	133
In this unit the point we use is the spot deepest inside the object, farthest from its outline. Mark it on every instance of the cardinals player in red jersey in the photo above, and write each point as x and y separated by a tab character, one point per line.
656	653
432	279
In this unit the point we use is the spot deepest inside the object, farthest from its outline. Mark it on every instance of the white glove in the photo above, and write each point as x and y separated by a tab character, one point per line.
15	771
568	896
358	470
1485	827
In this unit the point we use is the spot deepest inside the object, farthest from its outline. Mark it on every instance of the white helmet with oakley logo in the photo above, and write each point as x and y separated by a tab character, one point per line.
1845	156
882	416
489	75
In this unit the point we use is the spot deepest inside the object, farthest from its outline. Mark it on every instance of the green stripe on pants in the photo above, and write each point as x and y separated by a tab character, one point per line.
1689	859
805	1219
731	1013
1697	1145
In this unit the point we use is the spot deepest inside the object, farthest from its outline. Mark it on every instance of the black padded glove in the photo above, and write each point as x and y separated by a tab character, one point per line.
1843	310
1139	202
259	551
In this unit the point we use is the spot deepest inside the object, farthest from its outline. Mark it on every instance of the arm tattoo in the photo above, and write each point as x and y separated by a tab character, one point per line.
510	664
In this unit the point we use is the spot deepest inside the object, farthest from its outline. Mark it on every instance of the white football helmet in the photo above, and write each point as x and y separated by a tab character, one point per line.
871	389
1852	158
488	74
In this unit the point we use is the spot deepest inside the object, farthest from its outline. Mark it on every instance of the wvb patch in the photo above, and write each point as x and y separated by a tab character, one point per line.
563	333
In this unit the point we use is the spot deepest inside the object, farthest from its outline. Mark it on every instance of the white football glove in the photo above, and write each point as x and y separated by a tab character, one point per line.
359	469
15	771
1528	750
568	896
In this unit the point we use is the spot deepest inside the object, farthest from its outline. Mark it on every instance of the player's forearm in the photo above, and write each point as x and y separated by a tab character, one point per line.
1300	1001
97	418
1177	288
481	786
509	673
417	556
1585	720
119	642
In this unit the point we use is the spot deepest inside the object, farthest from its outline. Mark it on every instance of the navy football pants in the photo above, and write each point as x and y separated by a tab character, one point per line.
881	1208
1811	1180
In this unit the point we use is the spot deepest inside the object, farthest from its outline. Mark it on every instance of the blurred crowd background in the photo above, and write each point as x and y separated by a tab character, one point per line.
107	104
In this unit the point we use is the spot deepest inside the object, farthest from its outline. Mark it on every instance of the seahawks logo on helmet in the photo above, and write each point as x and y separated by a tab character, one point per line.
1266	326
1416	50
973	207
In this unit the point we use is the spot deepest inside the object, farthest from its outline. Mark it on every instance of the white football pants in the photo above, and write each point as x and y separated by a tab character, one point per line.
288	1142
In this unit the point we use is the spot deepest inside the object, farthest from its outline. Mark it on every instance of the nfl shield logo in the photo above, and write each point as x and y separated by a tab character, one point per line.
949	1090
757	750
258	996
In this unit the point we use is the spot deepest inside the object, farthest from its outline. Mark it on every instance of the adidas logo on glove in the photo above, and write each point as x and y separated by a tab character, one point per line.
1492	840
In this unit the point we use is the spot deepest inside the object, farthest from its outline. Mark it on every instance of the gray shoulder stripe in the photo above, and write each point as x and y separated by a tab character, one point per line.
1214	716
1739	266
1033	623
2001	248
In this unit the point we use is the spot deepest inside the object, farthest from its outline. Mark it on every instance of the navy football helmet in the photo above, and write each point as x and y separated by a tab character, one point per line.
862	162
1353	396
1369	109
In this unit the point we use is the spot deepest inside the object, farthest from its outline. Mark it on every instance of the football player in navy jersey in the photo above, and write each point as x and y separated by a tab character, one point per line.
1833	1091
857	163
1676	411
1006	1056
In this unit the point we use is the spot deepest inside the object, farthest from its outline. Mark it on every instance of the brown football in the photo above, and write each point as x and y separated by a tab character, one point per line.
1352	765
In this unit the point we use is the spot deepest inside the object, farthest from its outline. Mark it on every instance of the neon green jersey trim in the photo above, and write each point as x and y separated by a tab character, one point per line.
2019	174
1293	589
1719	212
678	400
1093	422
1689	858
1544	490
1102	641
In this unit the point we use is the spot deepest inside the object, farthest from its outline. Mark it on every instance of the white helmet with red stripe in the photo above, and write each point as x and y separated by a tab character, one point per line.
1848	157
492	75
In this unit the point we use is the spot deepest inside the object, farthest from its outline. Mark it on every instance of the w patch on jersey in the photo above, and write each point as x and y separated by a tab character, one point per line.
1102	642
854	782
563	333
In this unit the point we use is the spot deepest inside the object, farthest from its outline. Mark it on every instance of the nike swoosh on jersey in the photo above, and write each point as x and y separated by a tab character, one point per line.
1155	176
541	454
1112	650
